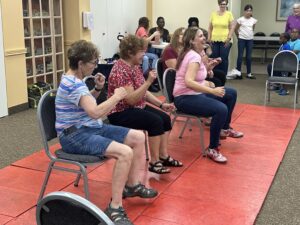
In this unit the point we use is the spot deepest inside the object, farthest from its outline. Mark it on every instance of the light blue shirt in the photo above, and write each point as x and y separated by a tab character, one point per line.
295	45
68	111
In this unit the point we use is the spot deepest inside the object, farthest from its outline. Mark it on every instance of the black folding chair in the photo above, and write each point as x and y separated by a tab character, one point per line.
285	62
46	120
169	82
160	73
64	208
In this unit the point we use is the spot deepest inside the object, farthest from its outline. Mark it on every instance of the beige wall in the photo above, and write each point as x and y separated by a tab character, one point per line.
177	12
72	17
14	52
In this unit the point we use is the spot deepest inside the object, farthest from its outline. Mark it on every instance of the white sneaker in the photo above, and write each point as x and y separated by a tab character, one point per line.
215	155
230	76
236	72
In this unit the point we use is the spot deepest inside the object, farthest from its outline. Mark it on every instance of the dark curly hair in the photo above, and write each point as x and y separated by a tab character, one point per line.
81	50
130	45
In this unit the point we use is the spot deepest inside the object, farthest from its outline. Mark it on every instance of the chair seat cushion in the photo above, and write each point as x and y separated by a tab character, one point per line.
78	158
285	80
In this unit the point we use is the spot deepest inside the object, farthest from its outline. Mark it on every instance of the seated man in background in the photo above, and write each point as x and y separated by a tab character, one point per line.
81	130
295	42
164	35
284	41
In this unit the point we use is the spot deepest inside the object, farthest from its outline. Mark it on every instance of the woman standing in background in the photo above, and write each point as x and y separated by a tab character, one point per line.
293	21
220	31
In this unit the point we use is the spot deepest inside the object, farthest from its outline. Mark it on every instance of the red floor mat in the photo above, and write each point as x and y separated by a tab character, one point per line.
201	192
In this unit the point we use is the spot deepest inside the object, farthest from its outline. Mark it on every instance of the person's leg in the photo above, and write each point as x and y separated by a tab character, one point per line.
145	64
229	100
249	46
224	53
241	46
215	47
124	157
143	120
153	58
163	142
220	75
206	106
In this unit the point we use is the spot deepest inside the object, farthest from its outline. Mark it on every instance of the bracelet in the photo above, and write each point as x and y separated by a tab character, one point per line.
160	106
97	89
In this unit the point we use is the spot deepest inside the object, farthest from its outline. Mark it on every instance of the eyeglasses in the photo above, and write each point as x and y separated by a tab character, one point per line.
224	4
95	62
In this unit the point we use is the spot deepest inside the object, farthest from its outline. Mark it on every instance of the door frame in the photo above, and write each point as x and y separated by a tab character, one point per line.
3	94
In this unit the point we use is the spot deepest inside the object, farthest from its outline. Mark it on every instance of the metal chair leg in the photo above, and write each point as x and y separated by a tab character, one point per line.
183	128
77	180
85	182
47	176
266	89
146	146
202	145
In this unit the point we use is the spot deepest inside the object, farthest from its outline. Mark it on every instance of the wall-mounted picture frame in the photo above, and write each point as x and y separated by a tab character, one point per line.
284	9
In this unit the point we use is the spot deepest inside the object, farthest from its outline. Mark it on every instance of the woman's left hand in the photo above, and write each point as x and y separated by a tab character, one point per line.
99	80
168	107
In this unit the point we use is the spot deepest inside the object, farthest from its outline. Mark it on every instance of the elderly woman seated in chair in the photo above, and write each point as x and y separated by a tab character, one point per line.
81	130
133	111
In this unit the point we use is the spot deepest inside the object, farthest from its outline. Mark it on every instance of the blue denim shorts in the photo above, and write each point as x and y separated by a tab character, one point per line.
92	141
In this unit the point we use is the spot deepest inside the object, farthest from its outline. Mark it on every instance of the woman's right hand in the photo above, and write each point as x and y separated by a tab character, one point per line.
219	91
120	93
151	76
156	33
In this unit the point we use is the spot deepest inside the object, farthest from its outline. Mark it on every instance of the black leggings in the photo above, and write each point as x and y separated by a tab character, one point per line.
154	121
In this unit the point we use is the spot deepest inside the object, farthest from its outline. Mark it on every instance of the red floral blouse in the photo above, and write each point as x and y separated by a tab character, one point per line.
123	75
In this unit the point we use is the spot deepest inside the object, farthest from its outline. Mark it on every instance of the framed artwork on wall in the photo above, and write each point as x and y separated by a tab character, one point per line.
284	9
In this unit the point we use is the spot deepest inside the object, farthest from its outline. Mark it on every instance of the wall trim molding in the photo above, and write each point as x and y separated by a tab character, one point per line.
13	52
18	108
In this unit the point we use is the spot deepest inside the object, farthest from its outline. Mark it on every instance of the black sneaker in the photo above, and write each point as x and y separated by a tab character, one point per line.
139	190
118	216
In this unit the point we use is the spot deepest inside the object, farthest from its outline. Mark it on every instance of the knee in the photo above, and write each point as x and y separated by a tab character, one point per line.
137	137
222	110
126	154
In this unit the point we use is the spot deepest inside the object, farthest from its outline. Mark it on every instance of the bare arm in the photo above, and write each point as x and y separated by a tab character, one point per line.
190	81
97	111
134	96
232	26
171	63
237	27
152	99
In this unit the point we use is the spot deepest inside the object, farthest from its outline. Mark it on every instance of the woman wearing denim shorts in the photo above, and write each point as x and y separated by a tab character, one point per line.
81	130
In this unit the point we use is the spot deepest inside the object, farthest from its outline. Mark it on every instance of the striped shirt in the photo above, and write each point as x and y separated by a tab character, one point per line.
68	111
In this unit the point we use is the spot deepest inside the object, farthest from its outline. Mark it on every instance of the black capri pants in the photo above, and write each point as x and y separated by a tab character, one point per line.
154	121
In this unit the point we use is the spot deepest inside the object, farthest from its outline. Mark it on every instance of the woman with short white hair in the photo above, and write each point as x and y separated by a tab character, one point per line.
293	21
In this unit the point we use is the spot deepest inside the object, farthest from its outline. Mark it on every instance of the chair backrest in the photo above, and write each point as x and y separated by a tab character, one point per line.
160	73
169	82
255	42
285	61
90	83
46	118
69	209
274	44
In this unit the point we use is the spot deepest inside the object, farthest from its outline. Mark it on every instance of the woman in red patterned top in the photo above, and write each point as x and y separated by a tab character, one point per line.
133	112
